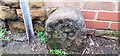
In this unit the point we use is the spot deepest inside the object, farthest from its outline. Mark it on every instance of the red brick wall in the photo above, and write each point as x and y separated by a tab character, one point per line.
102	19
99	15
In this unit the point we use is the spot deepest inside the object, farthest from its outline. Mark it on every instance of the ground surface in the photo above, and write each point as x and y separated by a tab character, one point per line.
101	45
19	45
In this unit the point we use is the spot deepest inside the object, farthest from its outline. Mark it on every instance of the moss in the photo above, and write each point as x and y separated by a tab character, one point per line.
54	44
115	33
18	30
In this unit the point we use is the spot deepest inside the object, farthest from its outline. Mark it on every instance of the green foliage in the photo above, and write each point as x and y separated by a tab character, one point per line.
58	52
115	33
42	36
3	33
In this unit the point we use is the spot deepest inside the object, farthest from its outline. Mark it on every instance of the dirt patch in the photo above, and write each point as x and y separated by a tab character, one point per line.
101	45
19	45
96	45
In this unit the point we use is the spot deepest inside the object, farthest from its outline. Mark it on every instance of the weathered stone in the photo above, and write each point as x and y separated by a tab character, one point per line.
35	14
66	30
7	13
10	3
36	5
16	26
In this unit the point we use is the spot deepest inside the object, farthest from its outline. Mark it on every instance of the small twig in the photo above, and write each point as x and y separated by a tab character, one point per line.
108	37
91	41
84	51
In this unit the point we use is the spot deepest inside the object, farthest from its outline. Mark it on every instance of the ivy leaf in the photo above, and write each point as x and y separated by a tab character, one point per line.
40	34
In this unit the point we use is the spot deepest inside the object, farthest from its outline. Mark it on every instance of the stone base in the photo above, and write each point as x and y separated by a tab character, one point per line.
66	30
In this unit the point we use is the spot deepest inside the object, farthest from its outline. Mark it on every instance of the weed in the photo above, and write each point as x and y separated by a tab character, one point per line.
115	33
58	52
3	33
42	36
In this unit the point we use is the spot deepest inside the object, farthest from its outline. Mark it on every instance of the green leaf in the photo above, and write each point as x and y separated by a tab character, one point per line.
51	51
39	34
44	35
8	39
1	35
58	52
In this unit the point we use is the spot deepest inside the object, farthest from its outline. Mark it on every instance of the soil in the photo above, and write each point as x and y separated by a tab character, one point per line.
101	45
19	45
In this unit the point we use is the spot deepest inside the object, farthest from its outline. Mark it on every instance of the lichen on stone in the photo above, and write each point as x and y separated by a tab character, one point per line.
66	29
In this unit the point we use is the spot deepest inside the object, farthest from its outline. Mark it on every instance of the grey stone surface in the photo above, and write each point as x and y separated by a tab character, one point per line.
66	30
2	24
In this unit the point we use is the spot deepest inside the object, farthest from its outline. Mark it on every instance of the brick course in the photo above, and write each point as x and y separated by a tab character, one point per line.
89	14
111	16
110	6
115	26
103	20
97	24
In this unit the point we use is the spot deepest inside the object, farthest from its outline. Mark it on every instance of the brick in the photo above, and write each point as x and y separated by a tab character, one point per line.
63	4
89	14
97	24
35	14
115	26
100	6
112	16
